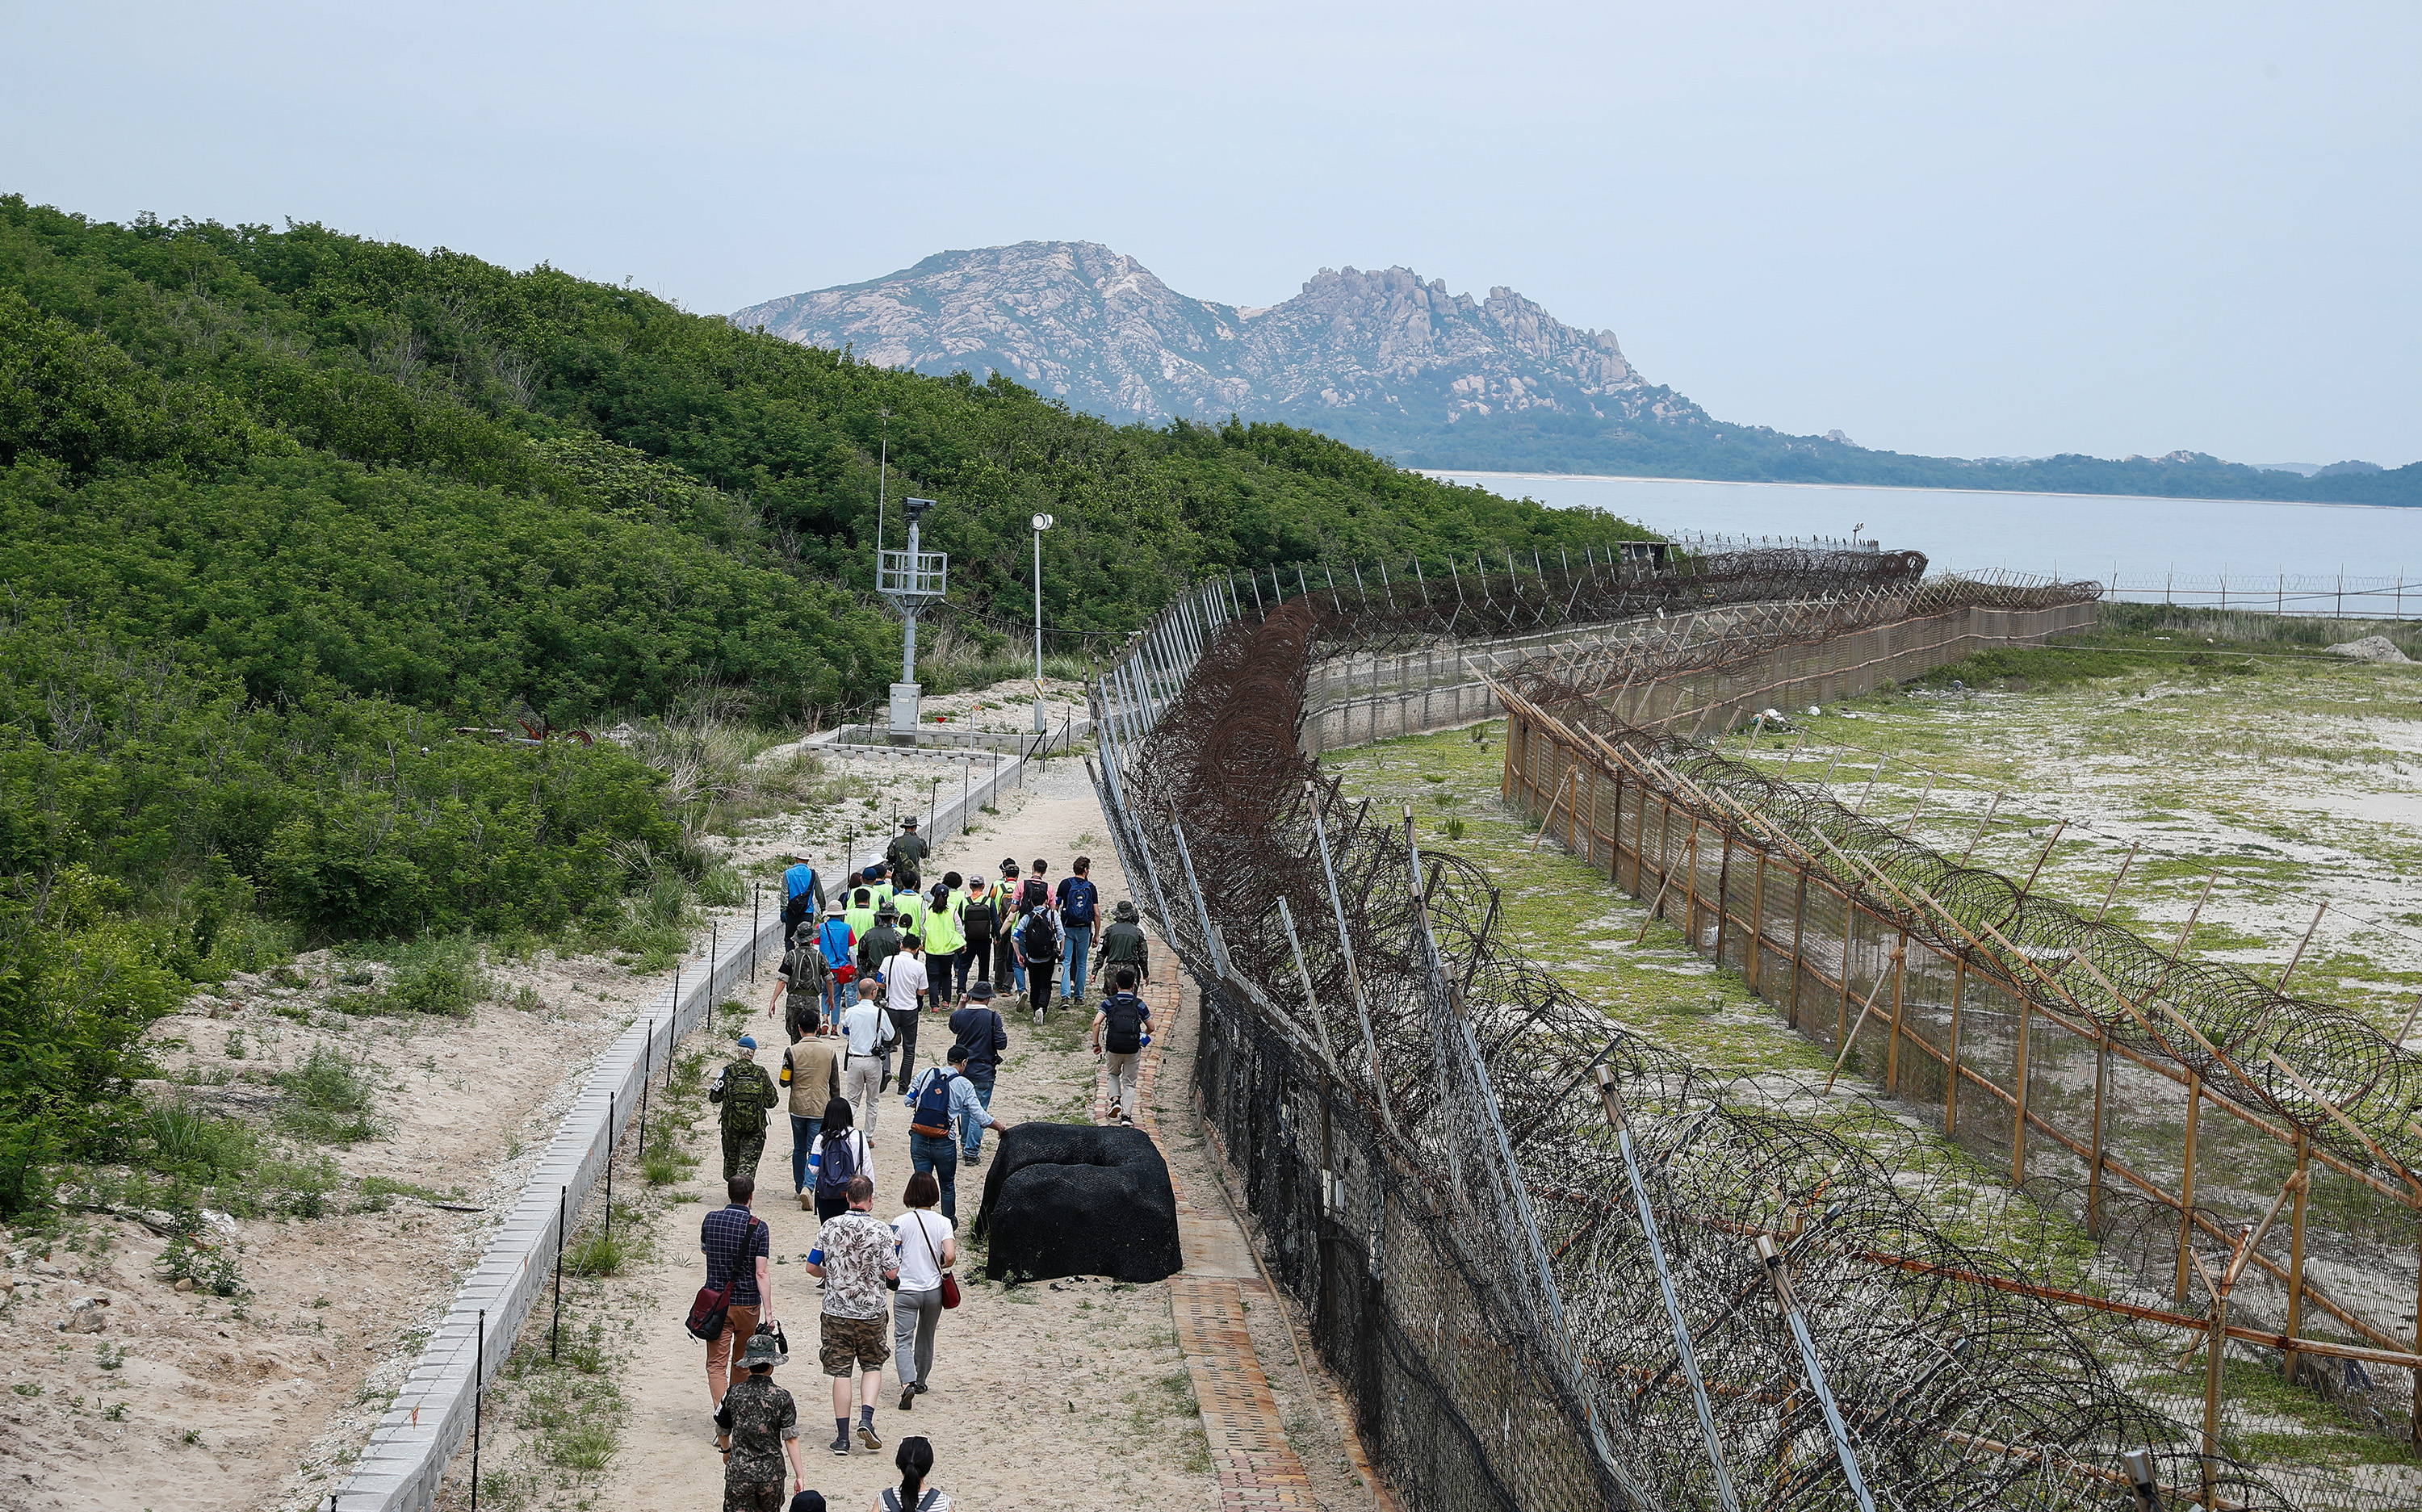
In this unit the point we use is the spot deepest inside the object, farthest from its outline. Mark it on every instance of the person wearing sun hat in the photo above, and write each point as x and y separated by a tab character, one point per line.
755	1427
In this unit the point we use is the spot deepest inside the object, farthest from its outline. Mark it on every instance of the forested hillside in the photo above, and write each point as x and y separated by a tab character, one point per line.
280	509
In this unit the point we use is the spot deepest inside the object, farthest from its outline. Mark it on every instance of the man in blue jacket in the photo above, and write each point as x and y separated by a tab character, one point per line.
985	1038
803	895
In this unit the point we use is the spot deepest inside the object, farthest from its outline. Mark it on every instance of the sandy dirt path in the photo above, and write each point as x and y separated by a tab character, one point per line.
1057	1395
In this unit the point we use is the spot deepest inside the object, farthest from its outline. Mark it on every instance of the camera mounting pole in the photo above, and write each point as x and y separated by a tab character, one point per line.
911	579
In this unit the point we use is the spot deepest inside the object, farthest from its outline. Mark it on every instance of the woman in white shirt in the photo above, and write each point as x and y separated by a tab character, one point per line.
928	1246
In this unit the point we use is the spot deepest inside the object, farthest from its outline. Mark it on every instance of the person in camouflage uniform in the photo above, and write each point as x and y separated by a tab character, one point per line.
905	855
745	1092
755	1427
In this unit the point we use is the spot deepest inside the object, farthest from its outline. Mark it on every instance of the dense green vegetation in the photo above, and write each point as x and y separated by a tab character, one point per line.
1694	444
281	511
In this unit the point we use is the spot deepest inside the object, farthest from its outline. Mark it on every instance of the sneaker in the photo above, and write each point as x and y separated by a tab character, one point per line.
807	1200
1038	1018
840	1446
907	1397
866	1436
975	1158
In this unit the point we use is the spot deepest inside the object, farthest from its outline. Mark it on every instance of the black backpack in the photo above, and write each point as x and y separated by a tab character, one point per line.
976	921
1035	935
1035	894
1123	1014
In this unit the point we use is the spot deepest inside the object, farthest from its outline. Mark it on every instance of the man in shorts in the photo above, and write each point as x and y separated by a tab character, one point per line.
856	1254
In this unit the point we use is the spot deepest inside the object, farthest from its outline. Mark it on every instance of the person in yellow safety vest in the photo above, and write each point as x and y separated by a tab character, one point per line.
944	940
860	913
911	910
878	881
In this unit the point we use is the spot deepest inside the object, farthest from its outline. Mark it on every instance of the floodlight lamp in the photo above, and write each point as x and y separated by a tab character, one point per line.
1043	522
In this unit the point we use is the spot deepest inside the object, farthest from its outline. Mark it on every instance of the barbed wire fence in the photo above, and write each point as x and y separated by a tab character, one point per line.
1557	1264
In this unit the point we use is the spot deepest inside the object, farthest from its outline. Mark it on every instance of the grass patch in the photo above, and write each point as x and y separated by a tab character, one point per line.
331	1101
440	976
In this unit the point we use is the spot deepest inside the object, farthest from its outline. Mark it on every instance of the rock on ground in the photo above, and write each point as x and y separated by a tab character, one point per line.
2372	649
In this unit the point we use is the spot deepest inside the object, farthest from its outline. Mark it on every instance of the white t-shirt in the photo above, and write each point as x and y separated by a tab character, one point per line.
903	977
918	1268
866	1028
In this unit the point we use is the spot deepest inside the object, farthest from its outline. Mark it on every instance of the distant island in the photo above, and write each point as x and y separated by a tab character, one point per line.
1387	362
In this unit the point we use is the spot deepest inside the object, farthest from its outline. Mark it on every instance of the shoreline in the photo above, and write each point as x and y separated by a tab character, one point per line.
1461	475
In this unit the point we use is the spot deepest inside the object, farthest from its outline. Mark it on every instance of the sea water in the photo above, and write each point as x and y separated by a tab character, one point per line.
2259	554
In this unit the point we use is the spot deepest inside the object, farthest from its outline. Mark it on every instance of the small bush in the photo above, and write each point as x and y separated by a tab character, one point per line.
586	1447
331	1100
187	1141
209	1263
599	1254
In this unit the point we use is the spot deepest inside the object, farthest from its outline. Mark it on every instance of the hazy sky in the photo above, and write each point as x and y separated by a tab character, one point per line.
1973	230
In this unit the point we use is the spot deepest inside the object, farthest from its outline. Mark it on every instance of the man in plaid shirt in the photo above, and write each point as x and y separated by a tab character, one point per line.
736	1241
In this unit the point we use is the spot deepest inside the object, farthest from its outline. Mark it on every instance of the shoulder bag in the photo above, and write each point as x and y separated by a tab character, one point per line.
950	1283
709	1311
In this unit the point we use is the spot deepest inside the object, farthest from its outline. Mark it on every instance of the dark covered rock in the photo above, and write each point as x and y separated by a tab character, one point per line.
1072	1200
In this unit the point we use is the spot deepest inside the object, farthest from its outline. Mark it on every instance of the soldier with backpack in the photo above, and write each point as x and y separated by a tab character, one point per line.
1039	939
746	1093
1124	943
1121	1029
1080	918
941	1097
879	944
905	855
805	978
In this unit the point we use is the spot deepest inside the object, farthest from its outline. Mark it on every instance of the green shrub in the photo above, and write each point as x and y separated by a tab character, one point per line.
330	1101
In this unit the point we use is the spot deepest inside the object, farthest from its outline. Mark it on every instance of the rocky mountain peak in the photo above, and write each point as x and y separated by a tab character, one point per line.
1095	327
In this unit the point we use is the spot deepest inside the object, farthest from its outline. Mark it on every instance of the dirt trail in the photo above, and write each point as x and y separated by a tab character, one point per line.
1066	1394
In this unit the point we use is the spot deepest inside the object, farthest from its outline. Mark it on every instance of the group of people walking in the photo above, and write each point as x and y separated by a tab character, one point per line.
861	969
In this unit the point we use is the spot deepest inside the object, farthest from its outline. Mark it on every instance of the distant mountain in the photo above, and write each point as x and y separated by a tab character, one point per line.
1082	323
1388	361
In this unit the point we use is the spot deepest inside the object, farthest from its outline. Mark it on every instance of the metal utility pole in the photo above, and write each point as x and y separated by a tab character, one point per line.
1041	523
911	579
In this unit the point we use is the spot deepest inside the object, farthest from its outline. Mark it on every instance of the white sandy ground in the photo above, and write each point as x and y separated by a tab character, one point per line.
262	1401
1064	1396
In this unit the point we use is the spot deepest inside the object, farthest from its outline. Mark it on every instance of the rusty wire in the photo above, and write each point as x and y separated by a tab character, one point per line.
1959	1393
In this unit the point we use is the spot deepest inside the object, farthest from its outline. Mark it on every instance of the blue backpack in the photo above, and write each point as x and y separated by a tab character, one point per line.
932	1115
837	1164
1078	899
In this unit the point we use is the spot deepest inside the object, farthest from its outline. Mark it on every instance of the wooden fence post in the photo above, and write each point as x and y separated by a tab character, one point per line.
1950	1086
2186	1186
2094	1162
2296	1250
2019	1077
1892	1052
1798	962
1752	964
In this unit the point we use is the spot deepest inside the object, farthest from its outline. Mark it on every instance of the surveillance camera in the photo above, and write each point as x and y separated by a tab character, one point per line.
917	506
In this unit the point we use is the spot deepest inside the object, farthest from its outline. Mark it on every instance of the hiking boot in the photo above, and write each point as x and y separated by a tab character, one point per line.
866	1436
840	1446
